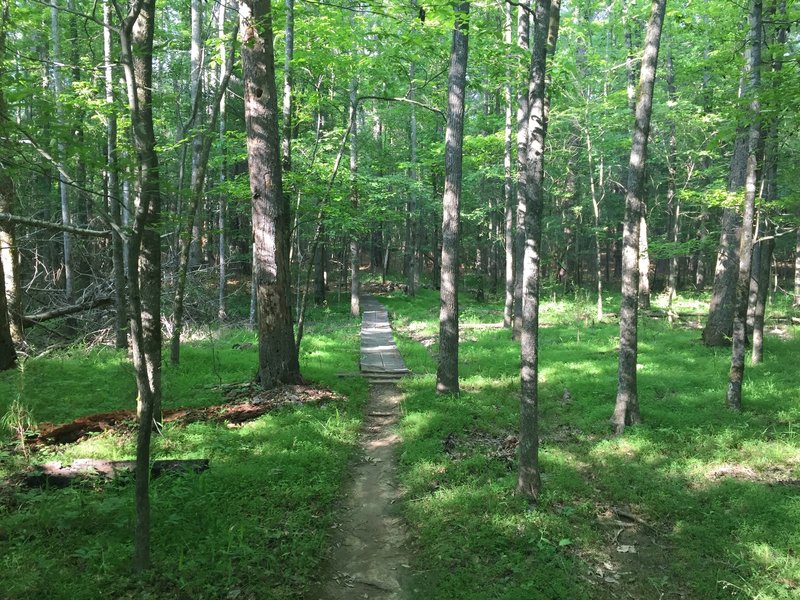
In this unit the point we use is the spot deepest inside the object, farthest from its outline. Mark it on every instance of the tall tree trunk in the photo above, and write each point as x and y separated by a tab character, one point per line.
673	202
447	371
753	68
9	258
355	307
528	480
69	285
508	181
113	198
719	327
523	41
144	248
278	360
766	245
191	236
201	149
626	410
413	267
222	311
796	302
644	260
596	211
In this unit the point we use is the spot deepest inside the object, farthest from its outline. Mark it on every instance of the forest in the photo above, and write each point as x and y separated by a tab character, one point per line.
459	299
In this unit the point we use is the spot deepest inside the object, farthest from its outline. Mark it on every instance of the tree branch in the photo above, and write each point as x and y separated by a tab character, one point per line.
407	101
9	218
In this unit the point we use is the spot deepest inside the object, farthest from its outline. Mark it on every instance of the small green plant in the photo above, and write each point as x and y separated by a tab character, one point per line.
18	419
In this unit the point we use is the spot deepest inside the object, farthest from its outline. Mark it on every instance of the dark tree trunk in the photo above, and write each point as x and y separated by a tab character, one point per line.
447	371
626	410
753	66
277	356
528	480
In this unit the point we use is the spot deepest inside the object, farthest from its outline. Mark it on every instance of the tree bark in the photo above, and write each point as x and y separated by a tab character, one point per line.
508	182
201	149
644	260
278	361
523	41
9	256
113	199
721	312
626	410
355	306
528	479
753	68
144	249
447	371
8	354
673	202
69	285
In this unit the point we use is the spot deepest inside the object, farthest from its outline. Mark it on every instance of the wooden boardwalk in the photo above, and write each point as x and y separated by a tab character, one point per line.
381	362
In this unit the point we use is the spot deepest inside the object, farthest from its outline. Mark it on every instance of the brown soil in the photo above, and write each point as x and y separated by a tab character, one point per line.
244	402
369	559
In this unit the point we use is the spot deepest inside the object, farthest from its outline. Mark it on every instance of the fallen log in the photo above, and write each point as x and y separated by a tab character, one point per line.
53	474
65	311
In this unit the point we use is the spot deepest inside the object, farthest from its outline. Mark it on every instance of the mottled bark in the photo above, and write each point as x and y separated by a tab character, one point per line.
753	73
447	371
528	479
278	361
626	410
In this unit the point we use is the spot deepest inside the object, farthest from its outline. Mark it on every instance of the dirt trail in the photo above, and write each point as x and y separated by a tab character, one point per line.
369	558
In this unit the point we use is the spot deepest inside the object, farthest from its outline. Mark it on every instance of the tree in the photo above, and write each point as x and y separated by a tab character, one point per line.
626	411
753	69
528	480
144	254
277	354
447	371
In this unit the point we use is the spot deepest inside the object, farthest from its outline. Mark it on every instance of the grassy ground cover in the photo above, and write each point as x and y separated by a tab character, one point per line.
698	502
255	525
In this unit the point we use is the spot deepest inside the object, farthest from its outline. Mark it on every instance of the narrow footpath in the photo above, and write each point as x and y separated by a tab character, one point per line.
369	558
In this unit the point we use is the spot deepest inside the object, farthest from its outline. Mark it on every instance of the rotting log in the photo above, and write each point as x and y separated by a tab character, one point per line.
53	474
64	311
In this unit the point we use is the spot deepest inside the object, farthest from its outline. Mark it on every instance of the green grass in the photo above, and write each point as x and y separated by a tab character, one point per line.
707	537
255	525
